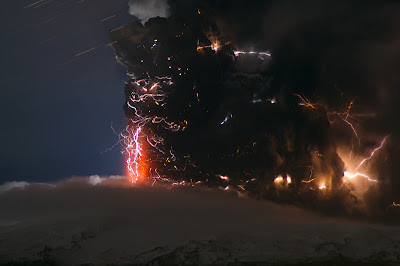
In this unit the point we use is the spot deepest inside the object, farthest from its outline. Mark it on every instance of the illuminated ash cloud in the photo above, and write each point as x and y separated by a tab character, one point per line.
276	102
146	9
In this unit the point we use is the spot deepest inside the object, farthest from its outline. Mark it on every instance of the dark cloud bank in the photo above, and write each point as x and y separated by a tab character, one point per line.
329	52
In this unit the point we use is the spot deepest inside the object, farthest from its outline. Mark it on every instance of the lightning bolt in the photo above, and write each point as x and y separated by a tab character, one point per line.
372	153
305	102
349	175
134	152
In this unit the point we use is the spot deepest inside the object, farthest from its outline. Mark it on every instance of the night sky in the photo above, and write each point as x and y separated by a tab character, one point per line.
57	108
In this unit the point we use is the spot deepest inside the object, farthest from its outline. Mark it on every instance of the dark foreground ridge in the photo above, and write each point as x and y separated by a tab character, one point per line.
78	222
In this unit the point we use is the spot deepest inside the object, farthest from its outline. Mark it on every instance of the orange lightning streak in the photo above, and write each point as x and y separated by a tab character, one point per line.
305	102
308	181
344	116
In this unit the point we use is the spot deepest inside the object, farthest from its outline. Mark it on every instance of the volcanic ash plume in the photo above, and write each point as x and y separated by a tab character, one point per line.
204	105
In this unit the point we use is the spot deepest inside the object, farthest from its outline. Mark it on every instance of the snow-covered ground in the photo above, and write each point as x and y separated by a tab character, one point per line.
106	221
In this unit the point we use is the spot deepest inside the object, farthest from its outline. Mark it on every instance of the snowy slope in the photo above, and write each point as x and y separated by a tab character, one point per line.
109	222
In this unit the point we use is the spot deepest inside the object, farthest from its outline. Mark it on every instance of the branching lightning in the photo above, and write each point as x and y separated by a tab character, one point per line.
133	148
349	175
146	148
147	91
345	117
356	173
372	153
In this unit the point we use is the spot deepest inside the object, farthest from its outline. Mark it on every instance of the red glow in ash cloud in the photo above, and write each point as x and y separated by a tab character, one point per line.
135	161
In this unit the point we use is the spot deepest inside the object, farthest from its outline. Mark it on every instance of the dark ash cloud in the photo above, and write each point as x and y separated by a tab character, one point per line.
242	112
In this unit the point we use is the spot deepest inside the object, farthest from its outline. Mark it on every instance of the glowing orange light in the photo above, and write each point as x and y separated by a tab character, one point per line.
215	45
308	181
278	179
136	160
224	177
356	173
350	176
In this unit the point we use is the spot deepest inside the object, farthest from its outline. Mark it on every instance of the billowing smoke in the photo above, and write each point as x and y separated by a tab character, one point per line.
146	9
283	100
